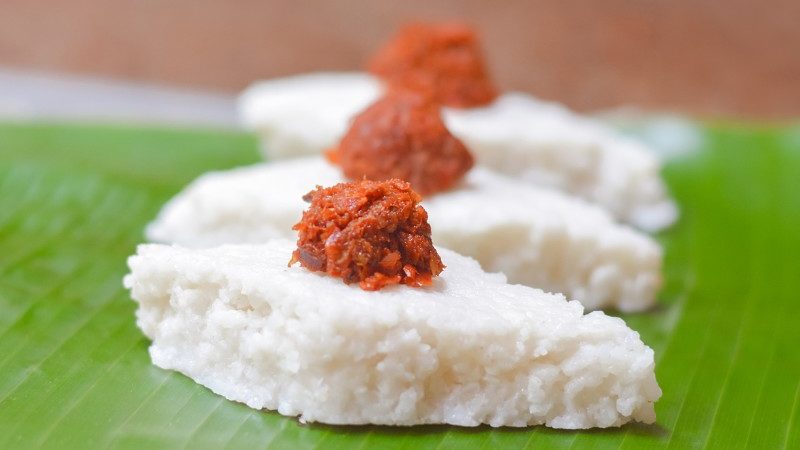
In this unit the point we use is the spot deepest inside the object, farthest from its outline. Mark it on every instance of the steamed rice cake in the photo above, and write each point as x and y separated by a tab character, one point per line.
469	349
536	237
536	141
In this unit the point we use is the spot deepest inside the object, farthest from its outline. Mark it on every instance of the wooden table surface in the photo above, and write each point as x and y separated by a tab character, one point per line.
731	58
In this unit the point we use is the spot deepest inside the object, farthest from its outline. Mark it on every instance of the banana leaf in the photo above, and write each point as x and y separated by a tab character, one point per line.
75	373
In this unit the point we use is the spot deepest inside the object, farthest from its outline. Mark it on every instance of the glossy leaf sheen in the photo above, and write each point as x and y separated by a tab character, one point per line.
75	373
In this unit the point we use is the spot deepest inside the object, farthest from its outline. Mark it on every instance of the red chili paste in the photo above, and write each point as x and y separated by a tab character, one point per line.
374	233
444	59
403	136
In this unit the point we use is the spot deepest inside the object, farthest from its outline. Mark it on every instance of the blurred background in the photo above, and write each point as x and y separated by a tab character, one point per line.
708	58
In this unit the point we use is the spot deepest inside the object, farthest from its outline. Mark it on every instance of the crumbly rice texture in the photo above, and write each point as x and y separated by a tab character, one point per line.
536	237
518	135
467	350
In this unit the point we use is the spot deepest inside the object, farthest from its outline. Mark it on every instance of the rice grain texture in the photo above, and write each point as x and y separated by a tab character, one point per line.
469	349
535	236
518	135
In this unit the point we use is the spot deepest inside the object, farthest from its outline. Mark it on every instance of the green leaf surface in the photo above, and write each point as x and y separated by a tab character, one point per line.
75	373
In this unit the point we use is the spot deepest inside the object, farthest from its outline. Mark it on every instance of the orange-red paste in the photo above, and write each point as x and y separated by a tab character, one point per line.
373	233
402	135
444	59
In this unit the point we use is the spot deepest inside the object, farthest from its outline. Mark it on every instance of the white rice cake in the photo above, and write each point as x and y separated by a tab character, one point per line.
469	349
518	135
536	237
